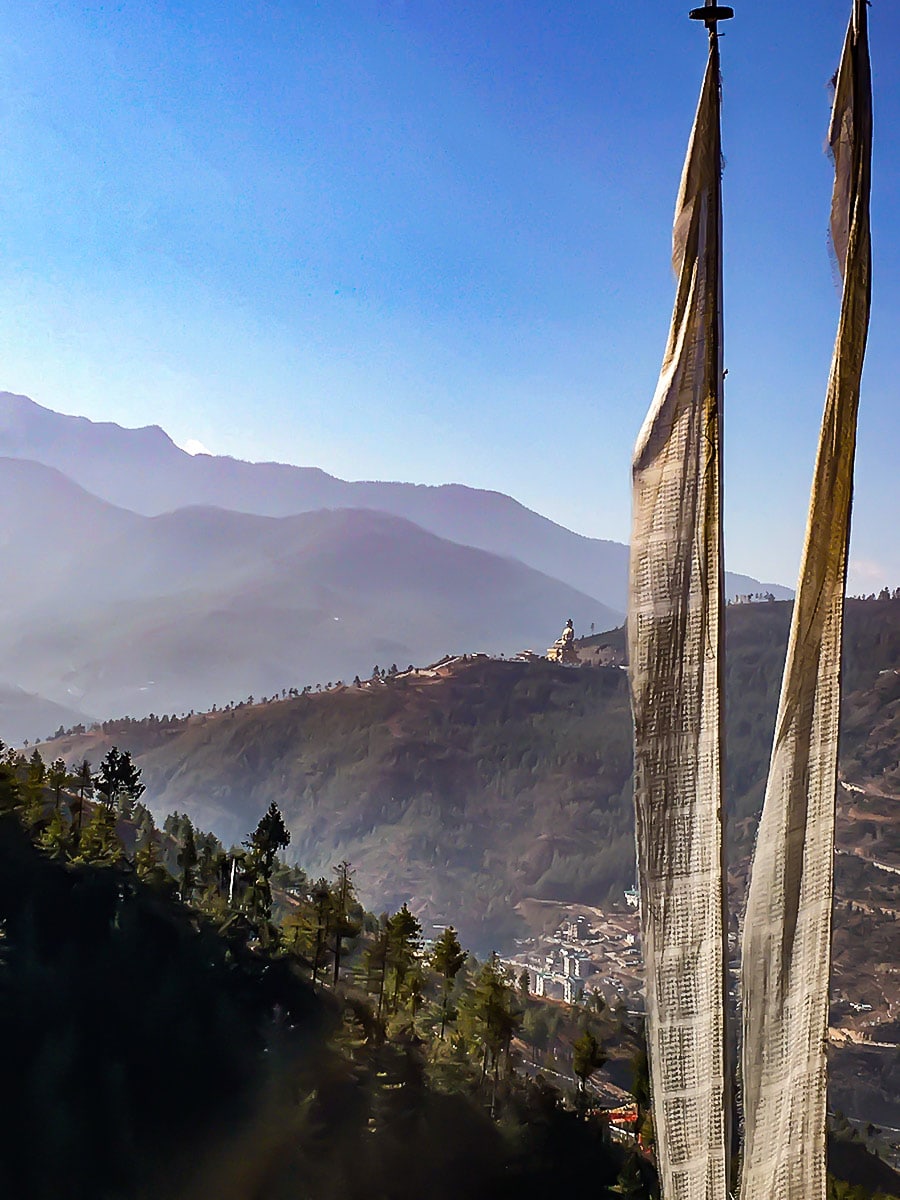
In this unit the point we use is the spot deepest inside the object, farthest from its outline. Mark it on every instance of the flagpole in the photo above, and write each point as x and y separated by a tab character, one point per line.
675	655
711	14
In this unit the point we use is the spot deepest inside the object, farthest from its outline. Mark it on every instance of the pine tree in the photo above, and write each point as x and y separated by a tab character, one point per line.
57	777
35	781
210	855
404	947
447	959
492	1015
118	781
99	841
187	860
10	796
587	1057
322	904
536	1028
375	963
414	993
270	836
54	838
147	861
344	896
83	783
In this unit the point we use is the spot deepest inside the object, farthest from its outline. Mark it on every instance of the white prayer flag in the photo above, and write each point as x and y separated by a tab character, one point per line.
787	927
674	632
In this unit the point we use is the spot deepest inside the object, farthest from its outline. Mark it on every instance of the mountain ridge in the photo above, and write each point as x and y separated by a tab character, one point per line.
480	745
118	465
202	605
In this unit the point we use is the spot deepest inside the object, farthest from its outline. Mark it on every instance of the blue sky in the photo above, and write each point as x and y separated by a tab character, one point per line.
430	241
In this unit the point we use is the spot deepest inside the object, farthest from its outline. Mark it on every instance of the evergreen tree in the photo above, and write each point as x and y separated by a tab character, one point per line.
118	781
414	993
54	838
322	906
375	963
344	896
99	842
172	825
447	958
536	1028
57	777
587	1057
147	860
10	796
83	787
270	836
35	781
143	821
492	1015
210	855
187	860
404	941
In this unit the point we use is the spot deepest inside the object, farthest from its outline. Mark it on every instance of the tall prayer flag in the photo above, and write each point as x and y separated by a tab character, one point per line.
787	927
674	634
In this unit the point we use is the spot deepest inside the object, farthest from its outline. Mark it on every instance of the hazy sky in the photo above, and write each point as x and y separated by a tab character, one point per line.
429	240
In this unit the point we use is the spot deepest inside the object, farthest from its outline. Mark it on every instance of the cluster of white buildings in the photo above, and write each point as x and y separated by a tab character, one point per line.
584	957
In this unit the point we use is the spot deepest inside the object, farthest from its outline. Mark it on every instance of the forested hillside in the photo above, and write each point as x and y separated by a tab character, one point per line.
188	1021
458	793
471	787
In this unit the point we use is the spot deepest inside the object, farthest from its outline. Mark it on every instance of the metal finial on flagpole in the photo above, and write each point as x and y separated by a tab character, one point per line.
710	14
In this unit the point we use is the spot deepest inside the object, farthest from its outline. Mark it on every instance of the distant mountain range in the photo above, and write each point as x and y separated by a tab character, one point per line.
140	578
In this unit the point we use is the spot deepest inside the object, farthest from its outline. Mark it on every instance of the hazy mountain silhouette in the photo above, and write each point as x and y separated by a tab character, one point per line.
110	612
143	470
24	716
